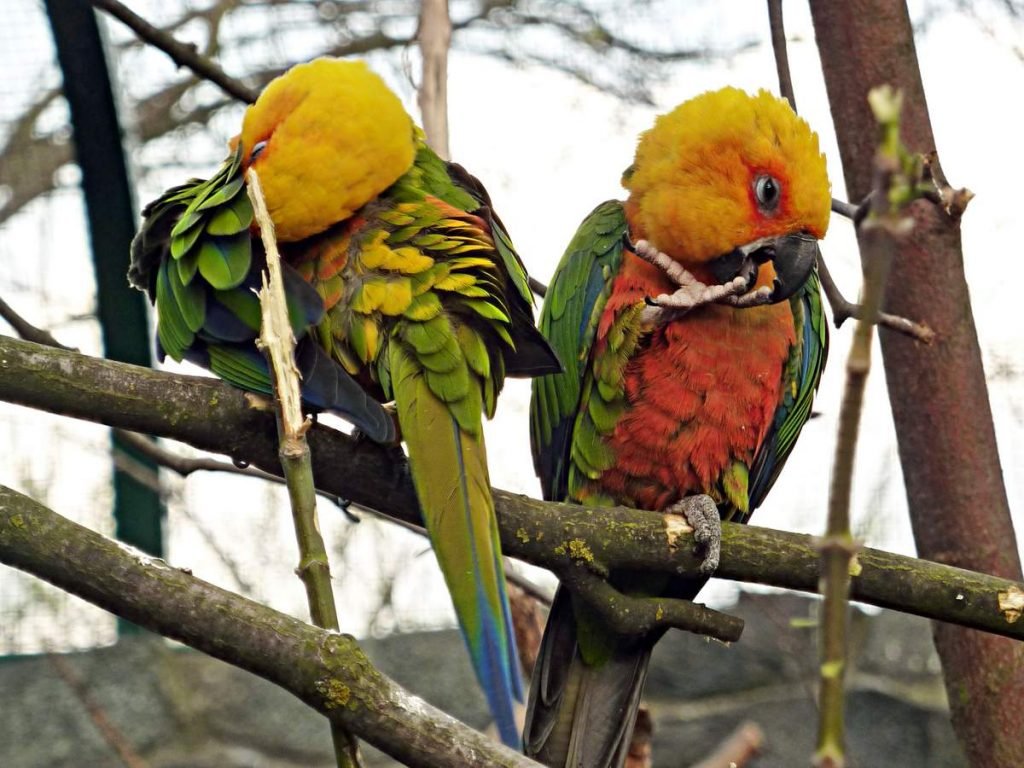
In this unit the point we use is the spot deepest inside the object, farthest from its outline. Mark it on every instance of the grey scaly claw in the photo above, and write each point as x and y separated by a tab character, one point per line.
701	514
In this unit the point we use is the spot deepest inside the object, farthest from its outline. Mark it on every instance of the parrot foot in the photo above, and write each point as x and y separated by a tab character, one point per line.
701	513
691	292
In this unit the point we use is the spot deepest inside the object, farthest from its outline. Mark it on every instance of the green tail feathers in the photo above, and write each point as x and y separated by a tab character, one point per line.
581	715
449	471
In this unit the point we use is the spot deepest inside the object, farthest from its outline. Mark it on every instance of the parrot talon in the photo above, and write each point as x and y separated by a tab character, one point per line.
691	292
754	298
702	515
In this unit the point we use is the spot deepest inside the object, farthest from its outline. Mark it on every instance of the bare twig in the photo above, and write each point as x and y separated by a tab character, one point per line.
781	53
742	745
182	54
111	734
838	547
843	310
538	287
435	36
278	343
186	465
26	330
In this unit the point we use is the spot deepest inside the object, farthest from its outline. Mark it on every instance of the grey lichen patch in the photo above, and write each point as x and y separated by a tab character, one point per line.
1011	604
336	694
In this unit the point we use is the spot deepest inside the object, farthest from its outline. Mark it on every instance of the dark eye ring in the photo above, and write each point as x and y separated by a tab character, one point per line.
768	190
257	149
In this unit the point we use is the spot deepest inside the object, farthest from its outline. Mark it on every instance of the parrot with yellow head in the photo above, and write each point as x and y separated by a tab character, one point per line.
687	407
402	285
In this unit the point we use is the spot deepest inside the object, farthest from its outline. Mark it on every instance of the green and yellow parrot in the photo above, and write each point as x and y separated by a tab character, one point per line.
658	404
402	285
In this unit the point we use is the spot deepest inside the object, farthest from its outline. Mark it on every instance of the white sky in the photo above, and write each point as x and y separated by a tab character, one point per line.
548	150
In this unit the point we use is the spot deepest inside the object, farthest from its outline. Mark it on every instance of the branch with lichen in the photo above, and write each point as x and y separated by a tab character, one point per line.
278	344
213	416
326	670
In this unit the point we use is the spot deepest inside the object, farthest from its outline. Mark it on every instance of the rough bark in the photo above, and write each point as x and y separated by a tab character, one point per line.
325	669
213	416
947	447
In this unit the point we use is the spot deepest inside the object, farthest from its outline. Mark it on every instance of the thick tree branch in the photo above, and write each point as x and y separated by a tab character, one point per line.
326	670
213	416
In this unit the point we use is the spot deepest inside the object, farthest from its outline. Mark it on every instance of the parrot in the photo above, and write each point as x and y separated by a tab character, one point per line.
689	406
405	295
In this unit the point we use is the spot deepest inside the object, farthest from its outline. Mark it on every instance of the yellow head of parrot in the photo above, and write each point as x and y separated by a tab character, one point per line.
726	171
325	137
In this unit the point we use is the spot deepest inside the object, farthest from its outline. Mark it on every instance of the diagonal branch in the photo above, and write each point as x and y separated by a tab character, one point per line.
183	54
213	416
326	670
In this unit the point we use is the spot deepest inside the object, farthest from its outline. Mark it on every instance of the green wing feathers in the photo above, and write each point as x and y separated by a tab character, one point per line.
574	303
449	470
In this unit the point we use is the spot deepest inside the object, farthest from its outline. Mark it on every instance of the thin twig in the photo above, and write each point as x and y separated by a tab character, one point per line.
26	330
182	54
843	310
781	54
278	343
538	287
741	746
184	466
838	547
111	734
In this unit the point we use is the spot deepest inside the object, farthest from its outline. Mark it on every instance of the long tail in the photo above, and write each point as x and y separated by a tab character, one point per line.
582	715
449	470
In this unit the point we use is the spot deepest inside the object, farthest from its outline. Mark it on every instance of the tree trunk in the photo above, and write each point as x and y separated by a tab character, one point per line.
940	405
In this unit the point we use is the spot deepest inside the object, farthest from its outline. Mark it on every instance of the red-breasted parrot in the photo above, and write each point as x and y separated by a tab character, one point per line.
658	404
402	285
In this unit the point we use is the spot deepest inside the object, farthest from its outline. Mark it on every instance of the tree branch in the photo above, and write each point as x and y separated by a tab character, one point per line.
26	330
182	54
326	670
951	467
435	37
213	416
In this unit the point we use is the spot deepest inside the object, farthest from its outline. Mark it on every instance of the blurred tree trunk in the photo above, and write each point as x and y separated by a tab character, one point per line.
940	405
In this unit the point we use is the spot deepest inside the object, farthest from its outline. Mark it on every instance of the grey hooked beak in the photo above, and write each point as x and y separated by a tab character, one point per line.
793	257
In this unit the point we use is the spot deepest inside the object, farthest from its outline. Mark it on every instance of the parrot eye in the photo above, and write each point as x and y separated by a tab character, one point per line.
767	189
257	150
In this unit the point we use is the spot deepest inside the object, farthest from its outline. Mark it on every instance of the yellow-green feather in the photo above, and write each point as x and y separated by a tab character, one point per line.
449	471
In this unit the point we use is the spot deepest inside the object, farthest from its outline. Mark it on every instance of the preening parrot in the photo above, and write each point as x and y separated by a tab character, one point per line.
656	404
402	285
